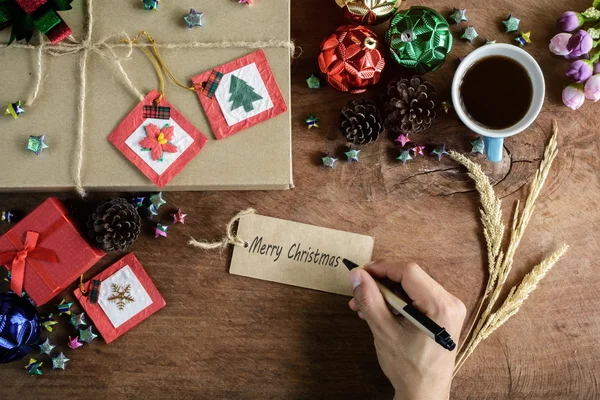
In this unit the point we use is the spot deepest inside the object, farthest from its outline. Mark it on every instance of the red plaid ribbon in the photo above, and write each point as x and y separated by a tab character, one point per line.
210	86
157	112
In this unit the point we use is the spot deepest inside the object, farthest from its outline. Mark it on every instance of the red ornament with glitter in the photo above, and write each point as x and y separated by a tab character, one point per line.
350	59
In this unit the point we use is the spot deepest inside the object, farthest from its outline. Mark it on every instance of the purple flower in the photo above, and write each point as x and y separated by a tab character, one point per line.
570	21
592	88
580	44
573	96
580	71
558	44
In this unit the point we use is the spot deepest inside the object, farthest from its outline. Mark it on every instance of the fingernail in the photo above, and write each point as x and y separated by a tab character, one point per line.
370	263
355	278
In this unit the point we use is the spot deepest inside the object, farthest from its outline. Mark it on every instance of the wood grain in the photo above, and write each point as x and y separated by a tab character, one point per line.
229	337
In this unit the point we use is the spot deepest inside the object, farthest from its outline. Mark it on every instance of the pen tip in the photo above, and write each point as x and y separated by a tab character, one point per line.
349	264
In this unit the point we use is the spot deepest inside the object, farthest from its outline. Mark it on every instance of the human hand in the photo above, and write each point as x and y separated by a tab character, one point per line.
417	366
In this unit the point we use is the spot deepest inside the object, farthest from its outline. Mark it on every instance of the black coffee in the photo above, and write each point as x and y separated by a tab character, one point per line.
496	92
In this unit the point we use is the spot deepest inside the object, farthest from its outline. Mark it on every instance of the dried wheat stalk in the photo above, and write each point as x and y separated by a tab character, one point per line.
500	263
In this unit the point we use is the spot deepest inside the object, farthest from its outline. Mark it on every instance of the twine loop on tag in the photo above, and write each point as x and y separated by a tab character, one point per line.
229	238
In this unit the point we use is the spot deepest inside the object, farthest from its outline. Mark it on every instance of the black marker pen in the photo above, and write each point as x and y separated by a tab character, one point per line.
420	320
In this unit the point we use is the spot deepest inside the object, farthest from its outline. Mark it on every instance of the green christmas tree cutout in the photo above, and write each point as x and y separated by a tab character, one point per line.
242	94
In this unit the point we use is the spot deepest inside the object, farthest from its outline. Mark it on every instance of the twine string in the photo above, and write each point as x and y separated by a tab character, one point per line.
230	238
106	49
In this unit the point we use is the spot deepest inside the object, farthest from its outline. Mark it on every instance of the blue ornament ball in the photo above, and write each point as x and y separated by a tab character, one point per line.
19	327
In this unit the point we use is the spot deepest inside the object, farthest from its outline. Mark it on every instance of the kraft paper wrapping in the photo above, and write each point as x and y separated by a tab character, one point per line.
256	158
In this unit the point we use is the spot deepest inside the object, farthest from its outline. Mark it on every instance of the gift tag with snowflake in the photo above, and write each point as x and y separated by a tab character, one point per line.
120	298
157	139
239	94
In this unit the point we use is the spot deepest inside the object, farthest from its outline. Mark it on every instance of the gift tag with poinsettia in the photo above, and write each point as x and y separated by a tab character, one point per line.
239	94
157	139
120	298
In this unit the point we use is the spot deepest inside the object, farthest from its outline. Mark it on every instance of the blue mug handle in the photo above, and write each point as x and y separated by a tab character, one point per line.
494	148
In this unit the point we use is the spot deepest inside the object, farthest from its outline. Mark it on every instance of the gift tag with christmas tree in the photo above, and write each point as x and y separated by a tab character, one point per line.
157	139
120	298
239	94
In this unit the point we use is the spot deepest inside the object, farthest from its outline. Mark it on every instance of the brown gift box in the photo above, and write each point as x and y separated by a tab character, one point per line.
257	158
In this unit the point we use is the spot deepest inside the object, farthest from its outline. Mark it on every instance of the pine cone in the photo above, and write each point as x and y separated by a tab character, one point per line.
411	105
114	225
360	122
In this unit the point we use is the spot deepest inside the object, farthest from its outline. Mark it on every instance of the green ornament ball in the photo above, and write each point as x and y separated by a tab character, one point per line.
419	39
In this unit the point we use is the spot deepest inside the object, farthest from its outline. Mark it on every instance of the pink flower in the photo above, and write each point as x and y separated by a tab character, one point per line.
570	21
580	71
592	88
573	96
580	44
157	140
558	44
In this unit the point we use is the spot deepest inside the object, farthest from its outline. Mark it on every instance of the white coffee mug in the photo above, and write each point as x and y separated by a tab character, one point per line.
494	138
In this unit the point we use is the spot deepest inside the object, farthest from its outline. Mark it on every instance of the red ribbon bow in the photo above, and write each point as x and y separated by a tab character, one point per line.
30	253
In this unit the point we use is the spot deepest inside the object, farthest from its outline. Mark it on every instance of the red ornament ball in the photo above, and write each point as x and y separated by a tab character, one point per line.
350	59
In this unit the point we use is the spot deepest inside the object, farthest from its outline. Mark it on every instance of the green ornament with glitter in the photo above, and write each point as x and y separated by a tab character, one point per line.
419	39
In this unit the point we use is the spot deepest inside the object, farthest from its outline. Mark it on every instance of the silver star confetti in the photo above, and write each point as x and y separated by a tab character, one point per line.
469	34
78	320
87	335
46	347
458	15
60	361
478	146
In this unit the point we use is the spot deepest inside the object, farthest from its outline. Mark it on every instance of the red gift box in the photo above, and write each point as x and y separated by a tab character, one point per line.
45	252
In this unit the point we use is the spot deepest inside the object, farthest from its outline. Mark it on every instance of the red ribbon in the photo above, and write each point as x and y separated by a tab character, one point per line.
31	254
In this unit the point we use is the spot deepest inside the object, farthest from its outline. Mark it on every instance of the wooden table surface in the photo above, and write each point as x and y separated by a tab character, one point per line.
223	336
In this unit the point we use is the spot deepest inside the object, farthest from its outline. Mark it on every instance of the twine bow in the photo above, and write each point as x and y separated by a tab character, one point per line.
229	238
29	253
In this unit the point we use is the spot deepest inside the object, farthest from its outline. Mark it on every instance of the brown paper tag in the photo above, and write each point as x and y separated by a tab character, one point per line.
298	254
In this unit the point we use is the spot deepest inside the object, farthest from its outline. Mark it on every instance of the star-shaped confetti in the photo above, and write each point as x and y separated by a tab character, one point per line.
37	144
14	109
458	15
8	278
64	307
46	347
60	361
446	106
48	322
511	24
313	82
440	152
418	150
160	230
352	154
404	157
157	200
34	367
523	38
150	4
194	18
329	161
469	34
489	41
74	343
87	335
179	216
311	121
403	139
478	145
6	216
138	201
78	320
